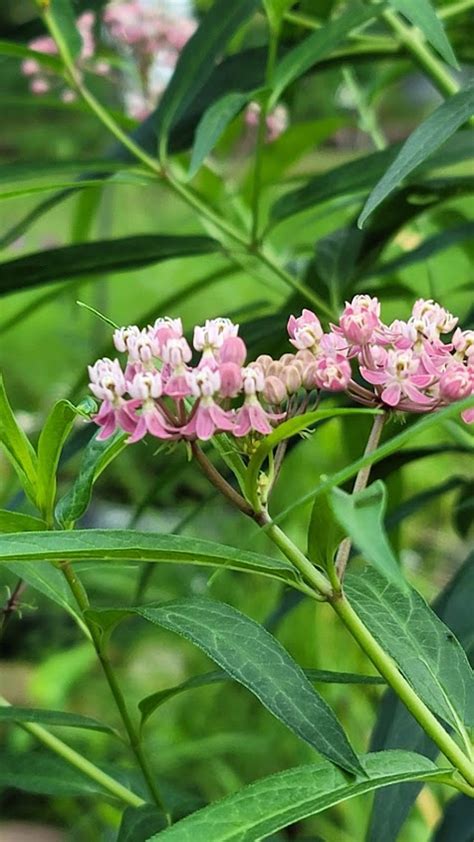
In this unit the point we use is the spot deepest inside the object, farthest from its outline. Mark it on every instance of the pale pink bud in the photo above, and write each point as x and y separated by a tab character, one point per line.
274	369
305	331
309	378
264	360
360	319
274	390
39	86
233	350
456	382
291	377
30	66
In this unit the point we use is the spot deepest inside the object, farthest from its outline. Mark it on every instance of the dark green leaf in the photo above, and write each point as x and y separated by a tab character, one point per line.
61	11
425	140
139	822
8	48
98	257
17	522
283	799
44	774
213	124
117	545
151	703
457	824
50	444
251	656
431	246
97	455
324	533
361	516
52	717
425	649
17	446
396	728
317	46
197	60
463	513
422	15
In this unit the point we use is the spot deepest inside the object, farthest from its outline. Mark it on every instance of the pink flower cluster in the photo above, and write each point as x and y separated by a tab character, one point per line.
405	366
41	79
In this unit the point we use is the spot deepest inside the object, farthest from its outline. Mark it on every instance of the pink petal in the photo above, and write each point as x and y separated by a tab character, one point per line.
155	424
140	431
205	427
391	395
375	377
259	420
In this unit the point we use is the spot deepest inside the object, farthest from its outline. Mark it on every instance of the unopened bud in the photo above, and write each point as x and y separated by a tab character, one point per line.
274	390
274	369
309	377
291	377
231	379
305	356
287	359
233	350
264	360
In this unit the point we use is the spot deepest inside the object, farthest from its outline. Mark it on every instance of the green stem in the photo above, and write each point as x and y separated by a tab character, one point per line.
367	117
413	41
82	600
78	761
384	663
455	9
261	133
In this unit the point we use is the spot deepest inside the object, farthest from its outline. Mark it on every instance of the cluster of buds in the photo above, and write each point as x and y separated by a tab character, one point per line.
406	366
153	38
41	80
276	120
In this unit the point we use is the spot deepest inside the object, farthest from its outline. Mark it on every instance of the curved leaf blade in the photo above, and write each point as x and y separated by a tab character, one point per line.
50	444
275	802
17	446
422	15
18	522
11	713
252	657
213	125
426	650
428	137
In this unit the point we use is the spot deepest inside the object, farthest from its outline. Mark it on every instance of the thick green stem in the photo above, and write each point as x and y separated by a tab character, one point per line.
78	761
313	576
413	41
82	600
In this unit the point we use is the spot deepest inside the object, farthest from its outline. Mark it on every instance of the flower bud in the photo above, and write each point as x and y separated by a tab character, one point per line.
231	379
274	369
305	356
287	359
264	360
309	377
233	350
291	377
274	390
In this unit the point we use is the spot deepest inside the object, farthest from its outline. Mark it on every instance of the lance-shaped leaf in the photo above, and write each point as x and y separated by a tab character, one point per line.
99	257
422	15
197	59
425	649
362	516
428	137
18	522
213	125
251	656
317	47
275	802
62	13
12	713
324	532
50	444
17	446
120	545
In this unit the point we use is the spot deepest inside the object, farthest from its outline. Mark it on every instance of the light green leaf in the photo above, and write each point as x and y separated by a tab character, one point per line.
50	444
272	803
429	136
317	47
17	522
361	516
119	545
251	656
17	446
285	431
213	123
12	713
324	533
97	258
422	15
197	60
426	650
97	455
61	11
155	700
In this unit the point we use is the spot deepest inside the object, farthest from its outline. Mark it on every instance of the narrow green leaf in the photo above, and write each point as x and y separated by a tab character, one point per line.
61	11
12	713
213	124
17	522
197	59
429	136
425	648
275	802
97	455
17	446
324	533
138	822
251	656
396	728
361	516
276	10
8	48
97	258
429	247
318	46
44	774
457	824
49	581
287	430
422	15
360	175
119	545
151	703
50	444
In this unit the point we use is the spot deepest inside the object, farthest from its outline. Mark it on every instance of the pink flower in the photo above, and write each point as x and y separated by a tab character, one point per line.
441	320
231	379
463	343
305	331
252	415
210	337
456	382
167	328
176	353
107	381
233	350
146	387
332	373
360	319
207	417
400	378
115	415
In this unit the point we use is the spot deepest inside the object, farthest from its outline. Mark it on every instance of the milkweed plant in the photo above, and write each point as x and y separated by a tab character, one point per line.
207	83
